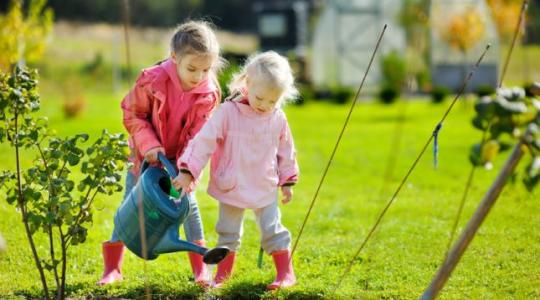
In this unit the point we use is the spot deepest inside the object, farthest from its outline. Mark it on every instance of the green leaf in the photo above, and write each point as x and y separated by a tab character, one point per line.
56	153
73	159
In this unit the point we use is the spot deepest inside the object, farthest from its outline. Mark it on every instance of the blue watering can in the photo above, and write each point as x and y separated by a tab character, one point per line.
162	214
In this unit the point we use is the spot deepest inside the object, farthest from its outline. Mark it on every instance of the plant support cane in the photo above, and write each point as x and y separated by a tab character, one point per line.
474	223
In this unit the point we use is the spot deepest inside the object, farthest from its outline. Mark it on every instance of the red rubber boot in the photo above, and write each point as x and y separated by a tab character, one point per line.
224	270
198	267
113	254
284	269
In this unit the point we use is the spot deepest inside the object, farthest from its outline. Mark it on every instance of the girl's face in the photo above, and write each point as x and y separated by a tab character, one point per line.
192	69
262	96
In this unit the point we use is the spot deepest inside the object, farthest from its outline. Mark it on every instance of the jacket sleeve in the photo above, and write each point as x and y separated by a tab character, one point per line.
203	145
286	156
137	110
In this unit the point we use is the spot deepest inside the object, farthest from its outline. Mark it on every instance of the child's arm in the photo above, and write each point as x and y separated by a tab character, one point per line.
183	181
137	110
287	192
199	150
287	165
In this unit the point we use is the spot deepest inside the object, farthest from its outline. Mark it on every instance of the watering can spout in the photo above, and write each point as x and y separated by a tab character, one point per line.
171	242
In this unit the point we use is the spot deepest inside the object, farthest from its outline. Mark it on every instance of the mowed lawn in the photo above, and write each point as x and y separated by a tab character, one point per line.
398	262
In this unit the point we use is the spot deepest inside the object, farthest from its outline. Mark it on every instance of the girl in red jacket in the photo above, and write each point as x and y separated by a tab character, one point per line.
168	105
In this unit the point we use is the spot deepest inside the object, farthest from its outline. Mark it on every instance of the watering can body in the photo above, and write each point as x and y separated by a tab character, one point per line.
150	211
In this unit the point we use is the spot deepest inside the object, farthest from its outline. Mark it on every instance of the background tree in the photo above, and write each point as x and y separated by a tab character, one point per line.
23	35
506	15
463	32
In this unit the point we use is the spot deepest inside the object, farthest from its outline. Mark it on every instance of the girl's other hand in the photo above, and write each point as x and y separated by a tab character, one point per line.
183	181
287	194
151	155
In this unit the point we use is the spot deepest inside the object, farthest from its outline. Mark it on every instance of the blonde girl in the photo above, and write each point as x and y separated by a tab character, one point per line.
252	158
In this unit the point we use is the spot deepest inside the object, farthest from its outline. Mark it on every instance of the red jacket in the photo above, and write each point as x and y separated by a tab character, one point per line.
146	113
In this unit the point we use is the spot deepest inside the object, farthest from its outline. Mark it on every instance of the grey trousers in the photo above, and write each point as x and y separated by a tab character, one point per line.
274	236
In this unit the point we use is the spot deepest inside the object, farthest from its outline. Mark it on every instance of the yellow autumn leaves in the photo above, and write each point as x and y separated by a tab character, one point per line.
23	33
464	30
505	14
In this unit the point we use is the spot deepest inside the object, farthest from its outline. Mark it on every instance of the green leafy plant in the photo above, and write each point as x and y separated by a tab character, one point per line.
341	94
306	94
484	90
225	77
439	93
394	70
509	114
50	201
388	94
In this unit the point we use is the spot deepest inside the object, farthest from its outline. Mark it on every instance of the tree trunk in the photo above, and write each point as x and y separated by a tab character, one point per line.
22	207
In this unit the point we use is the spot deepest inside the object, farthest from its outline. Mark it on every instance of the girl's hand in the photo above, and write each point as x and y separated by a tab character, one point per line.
287	194
183	181
151	155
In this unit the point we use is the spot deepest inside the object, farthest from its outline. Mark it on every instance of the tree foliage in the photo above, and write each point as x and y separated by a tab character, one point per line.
506	116
23	35
506	15
464	30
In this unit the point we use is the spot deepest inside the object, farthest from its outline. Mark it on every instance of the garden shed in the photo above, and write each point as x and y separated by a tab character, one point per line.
345	36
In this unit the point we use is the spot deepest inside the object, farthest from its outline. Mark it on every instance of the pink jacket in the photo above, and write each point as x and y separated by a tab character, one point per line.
252	155
146	113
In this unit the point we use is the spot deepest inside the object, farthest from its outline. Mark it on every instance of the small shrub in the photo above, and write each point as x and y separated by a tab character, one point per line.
53	203
306	93
322	94
388	94
225	77
74	107
439	93
423	79
341	95
394	70
74	100
484	90
95	67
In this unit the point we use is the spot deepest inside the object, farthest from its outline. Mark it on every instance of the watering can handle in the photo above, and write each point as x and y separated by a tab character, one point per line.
167	165
172	172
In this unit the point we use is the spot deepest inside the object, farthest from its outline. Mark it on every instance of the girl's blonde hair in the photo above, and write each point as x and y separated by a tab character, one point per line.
197	37
270	67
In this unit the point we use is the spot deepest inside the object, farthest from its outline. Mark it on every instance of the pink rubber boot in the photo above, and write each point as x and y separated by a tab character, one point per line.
284	269
224	270
113	254
198	266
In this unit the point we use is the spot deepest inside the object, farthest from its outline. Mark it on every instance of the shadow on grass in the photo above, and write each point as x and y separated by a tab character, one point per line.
238	290
85	291
248	290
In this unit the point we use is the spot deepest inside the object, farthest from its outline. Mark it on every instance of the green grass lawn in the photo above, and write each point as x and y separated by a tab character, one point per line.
398	262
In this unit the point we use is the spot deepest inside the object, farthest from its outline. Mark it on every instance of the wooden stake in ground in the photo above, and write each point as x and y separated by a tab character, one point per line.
474	223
